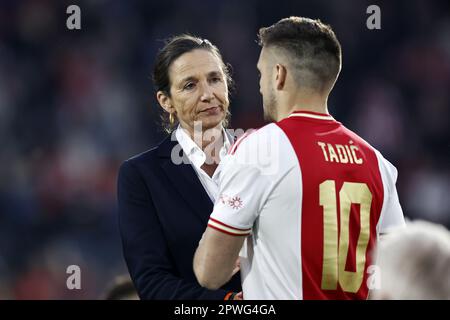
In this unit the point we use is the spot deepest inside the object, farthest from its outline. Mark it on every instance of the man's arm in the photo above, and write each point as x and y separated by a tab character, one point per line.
215	258
245	183
391	217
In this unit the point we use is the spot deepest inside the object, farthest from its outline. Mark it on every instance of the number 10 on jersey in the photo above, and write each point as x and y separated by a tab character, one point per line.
335	252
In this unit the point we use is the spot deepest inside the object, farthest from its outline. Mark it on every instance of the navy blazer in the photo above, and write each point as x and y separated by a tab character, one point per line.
163	212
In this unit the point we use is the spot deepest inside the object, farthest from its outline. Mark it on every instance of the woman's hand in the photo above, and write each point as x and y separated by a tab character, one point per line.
237	267
239	296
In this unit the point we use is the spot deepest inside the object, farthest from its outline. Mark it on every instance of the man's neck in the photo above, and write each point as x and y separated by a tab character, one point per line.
314	103
318	109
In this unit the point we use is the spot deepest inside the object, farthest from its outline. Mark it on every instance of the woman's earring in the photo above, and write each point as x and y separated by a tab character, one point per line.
171	119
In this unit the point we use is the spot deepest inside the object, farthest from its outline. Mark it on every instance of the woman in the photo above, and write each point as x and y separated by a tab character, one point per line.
166	194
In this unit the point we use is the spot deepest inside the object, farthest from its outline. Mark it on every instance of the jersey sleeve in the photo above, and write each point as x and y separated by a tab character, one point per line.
391	214
244	186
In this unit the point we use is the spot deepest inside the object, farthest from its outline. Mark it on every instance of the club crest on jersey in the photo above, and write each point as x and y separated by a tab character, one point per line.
234	202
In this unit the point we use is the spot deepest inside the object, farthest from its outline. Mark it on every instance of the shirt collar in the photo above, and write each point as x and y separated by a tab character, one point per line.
312	115
194	153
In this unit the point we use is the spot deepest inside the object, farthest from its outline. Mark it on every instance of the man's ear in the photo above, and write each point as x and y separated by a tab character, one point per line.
165	101
280	76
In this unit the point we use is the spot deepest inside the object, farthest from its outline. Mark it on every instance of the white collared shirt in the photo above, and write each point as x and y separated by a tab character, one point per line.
197	157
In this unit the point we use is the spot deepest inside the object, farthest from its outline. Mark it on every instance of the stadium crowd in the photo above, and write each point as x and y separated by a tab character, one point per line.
74	104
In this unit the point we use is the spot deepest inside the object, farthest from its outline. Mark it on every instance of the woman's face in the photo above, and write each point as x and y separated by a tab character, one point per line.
199	90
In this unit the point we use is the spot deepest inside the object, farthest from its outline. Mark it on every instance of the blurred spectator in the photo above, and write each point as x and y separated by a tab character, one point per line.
415	263
427	194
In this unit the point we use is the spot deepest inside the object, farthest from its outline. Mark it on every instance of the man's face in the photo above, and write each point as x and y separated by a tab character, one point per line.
199	90
266	89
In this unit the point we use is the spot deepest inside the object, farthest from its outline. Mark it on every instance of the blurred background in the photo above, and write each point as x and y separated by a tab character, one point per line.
74	104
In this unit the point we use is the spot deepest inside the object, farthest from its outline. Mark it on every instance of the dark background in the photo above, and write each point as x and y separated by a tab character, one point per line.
74	104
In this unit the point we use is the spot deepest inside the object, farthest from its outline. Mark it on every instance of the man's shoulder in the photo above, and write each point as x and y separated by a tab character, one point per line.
384	165
266	149
254	139
356	138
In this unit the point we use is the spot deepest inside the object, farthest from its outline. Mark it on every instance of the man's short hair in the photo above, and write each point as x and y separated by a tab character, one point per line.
313	50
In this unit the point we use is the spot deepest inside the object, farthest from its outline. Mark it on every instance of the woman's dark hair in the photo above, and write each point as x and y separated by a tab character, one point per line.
175	47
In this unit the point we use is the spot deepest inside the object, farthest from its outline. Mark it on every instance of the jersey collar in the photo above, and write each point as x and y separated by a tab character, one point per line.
312	115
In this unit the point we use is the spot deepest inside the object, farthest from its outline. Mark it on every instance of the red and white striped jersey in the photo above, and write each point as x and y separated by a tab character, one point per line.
312	196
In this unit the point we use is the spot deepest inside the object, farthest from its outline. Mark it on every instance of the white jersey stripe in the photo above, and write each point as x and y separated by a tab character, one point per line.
313	116
228	229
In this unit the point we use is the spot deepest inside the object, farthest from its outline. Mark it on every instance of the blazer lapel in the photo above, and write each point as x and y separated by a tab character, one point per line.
184	179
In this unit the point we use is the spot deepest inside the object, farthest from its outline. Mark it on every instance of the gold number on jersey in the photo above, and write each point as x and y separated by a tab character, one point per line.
334	254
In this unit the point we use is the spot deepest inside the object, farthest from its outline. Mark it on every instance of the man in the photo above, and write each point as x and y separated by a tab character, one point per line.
414	263
309	196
